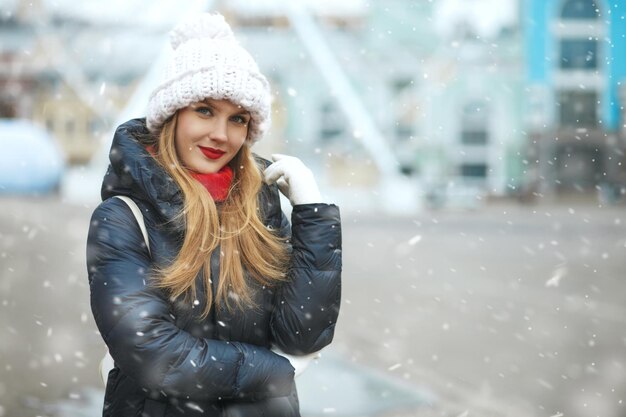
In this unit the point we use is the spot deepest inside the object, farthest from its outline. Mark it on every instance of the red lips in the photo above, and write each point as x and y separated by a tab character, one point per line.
211	153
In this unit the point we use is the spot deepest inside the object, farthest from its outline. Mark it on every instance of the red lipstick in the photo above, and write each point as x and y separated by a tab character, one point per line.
211	153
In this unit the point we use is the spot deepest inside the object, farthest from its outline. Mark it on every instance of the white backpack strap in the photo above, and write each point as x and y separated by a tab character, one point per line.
107	363
138	216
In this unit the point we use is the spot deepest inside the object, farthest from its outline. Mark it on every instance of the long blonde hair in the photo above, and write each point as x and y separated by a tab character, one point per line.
246	245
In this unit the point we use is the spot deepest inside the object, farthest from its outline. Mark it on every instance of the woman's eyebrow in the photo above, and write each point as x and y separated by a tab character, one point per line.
241	111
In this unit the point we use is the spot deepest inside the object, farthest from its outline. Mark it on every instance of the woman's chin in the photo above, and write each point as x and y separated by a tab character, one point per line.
207	168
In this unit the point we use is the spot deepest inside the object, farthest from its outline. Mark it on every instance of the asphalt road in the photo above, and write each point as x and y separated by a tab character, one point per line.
505	311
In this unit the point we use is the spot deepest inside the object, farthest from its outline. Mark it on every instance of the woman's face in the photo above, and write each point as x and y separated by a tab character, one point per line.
209	134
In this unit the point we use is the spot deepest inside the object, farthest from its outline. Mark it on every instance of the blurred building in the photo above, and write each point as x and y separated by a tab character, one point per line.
18	72
576	72
445	102
447	105
65	74
471	129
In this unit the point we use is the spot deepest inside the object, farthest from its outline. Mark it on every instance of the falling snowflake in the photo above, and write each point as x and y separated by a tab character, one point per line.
555	280
415	239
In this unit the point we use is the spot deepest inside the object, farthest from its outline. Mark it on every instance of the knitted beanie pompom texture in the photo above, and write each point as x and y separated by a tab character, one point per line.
209	26
208	63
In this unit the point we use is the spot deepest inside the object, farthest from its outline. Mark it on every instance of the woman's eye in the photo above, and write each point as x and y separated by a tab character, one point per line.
242	120
206	111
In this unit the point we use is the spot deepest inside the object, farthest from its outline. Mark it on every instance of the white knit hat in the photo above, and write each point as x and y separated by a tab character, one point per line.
208	62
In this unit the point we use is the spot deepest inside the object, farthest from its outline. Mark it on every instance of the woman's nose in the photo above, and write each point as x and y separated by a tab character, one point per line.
219	132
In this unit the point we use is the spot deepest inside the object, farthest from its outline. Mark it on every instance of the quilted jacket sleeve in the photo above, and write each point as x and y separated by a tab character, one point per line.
137	326
307	305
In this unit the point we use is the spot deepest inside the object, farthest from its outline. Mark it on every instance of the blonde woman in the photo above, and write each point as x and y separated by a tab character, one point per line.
214	315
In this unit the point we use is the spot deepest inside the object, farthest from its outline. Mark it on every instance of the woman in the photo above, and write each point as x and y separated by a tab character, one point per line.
210	319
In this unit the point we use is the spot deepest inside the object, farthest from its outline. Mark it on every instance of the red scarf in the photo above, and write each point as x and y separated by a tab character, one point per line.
217	184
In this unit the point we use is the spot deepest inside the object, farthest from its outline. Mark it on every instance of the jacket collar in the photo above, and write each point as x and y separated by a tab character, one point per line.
133	172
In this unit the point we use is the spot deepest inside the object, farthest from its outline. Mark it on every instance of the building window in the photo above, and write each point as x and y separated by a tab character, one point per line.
578	108
474	170
579	63
96	127
474	124
474	137
580	9
579	54
332	125
405	108
7	108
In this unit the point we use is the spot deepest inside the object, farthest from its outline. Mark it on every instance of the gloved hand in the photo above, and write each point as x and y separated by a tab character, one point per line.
299	363
294	179
106	364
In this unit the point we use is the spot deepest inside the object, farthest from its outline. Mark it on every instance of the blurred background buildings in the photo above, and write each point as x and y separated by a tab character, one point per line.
576	72
504	99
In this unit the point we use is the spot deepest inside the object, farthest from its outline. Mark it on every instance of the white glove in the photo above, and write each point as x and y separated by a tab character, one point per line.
106	364
299	363
294	180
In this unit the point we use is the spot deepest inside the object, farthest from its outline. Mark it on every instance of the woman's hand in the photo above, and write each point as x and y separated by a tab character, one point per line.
300	362
294	180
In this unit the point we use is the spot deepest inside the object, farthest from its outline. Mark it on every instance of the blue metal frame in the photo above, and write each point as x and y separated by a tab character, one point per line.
617	62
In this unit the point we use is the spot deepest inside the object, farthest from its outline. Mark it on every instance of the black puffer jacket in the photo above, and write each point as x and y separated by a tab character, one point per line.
169	362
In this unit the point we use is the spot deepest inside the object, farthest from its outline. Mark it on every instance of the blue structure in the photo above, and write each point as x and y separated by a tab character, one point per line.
576	71
30	161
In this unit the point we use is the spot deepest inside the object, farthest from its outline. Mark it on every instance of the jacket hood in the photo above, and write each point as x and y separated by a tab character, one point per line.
134	172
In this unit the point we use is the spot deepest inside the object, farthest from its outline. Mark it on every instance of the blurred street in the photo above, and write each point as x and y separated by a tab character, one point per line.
507	311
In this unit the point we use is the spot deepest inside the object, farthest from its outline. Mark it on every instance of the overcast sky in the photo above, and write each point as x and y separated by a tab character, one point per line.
141	12
485	16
